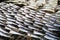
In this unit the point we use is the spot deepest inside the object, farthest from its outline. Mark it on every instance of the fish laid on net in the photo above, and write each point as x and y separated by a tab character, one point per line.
27	23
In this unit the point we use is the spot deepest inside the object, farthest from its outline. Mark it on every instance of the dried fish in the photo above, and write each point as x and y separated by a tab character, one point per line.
18	2
52	29
35	4
50	6
25	21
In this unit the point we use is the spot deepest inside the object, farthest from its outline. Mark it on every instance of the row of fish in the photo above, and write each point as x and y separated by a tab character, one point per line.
52	25
29	23
20	21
